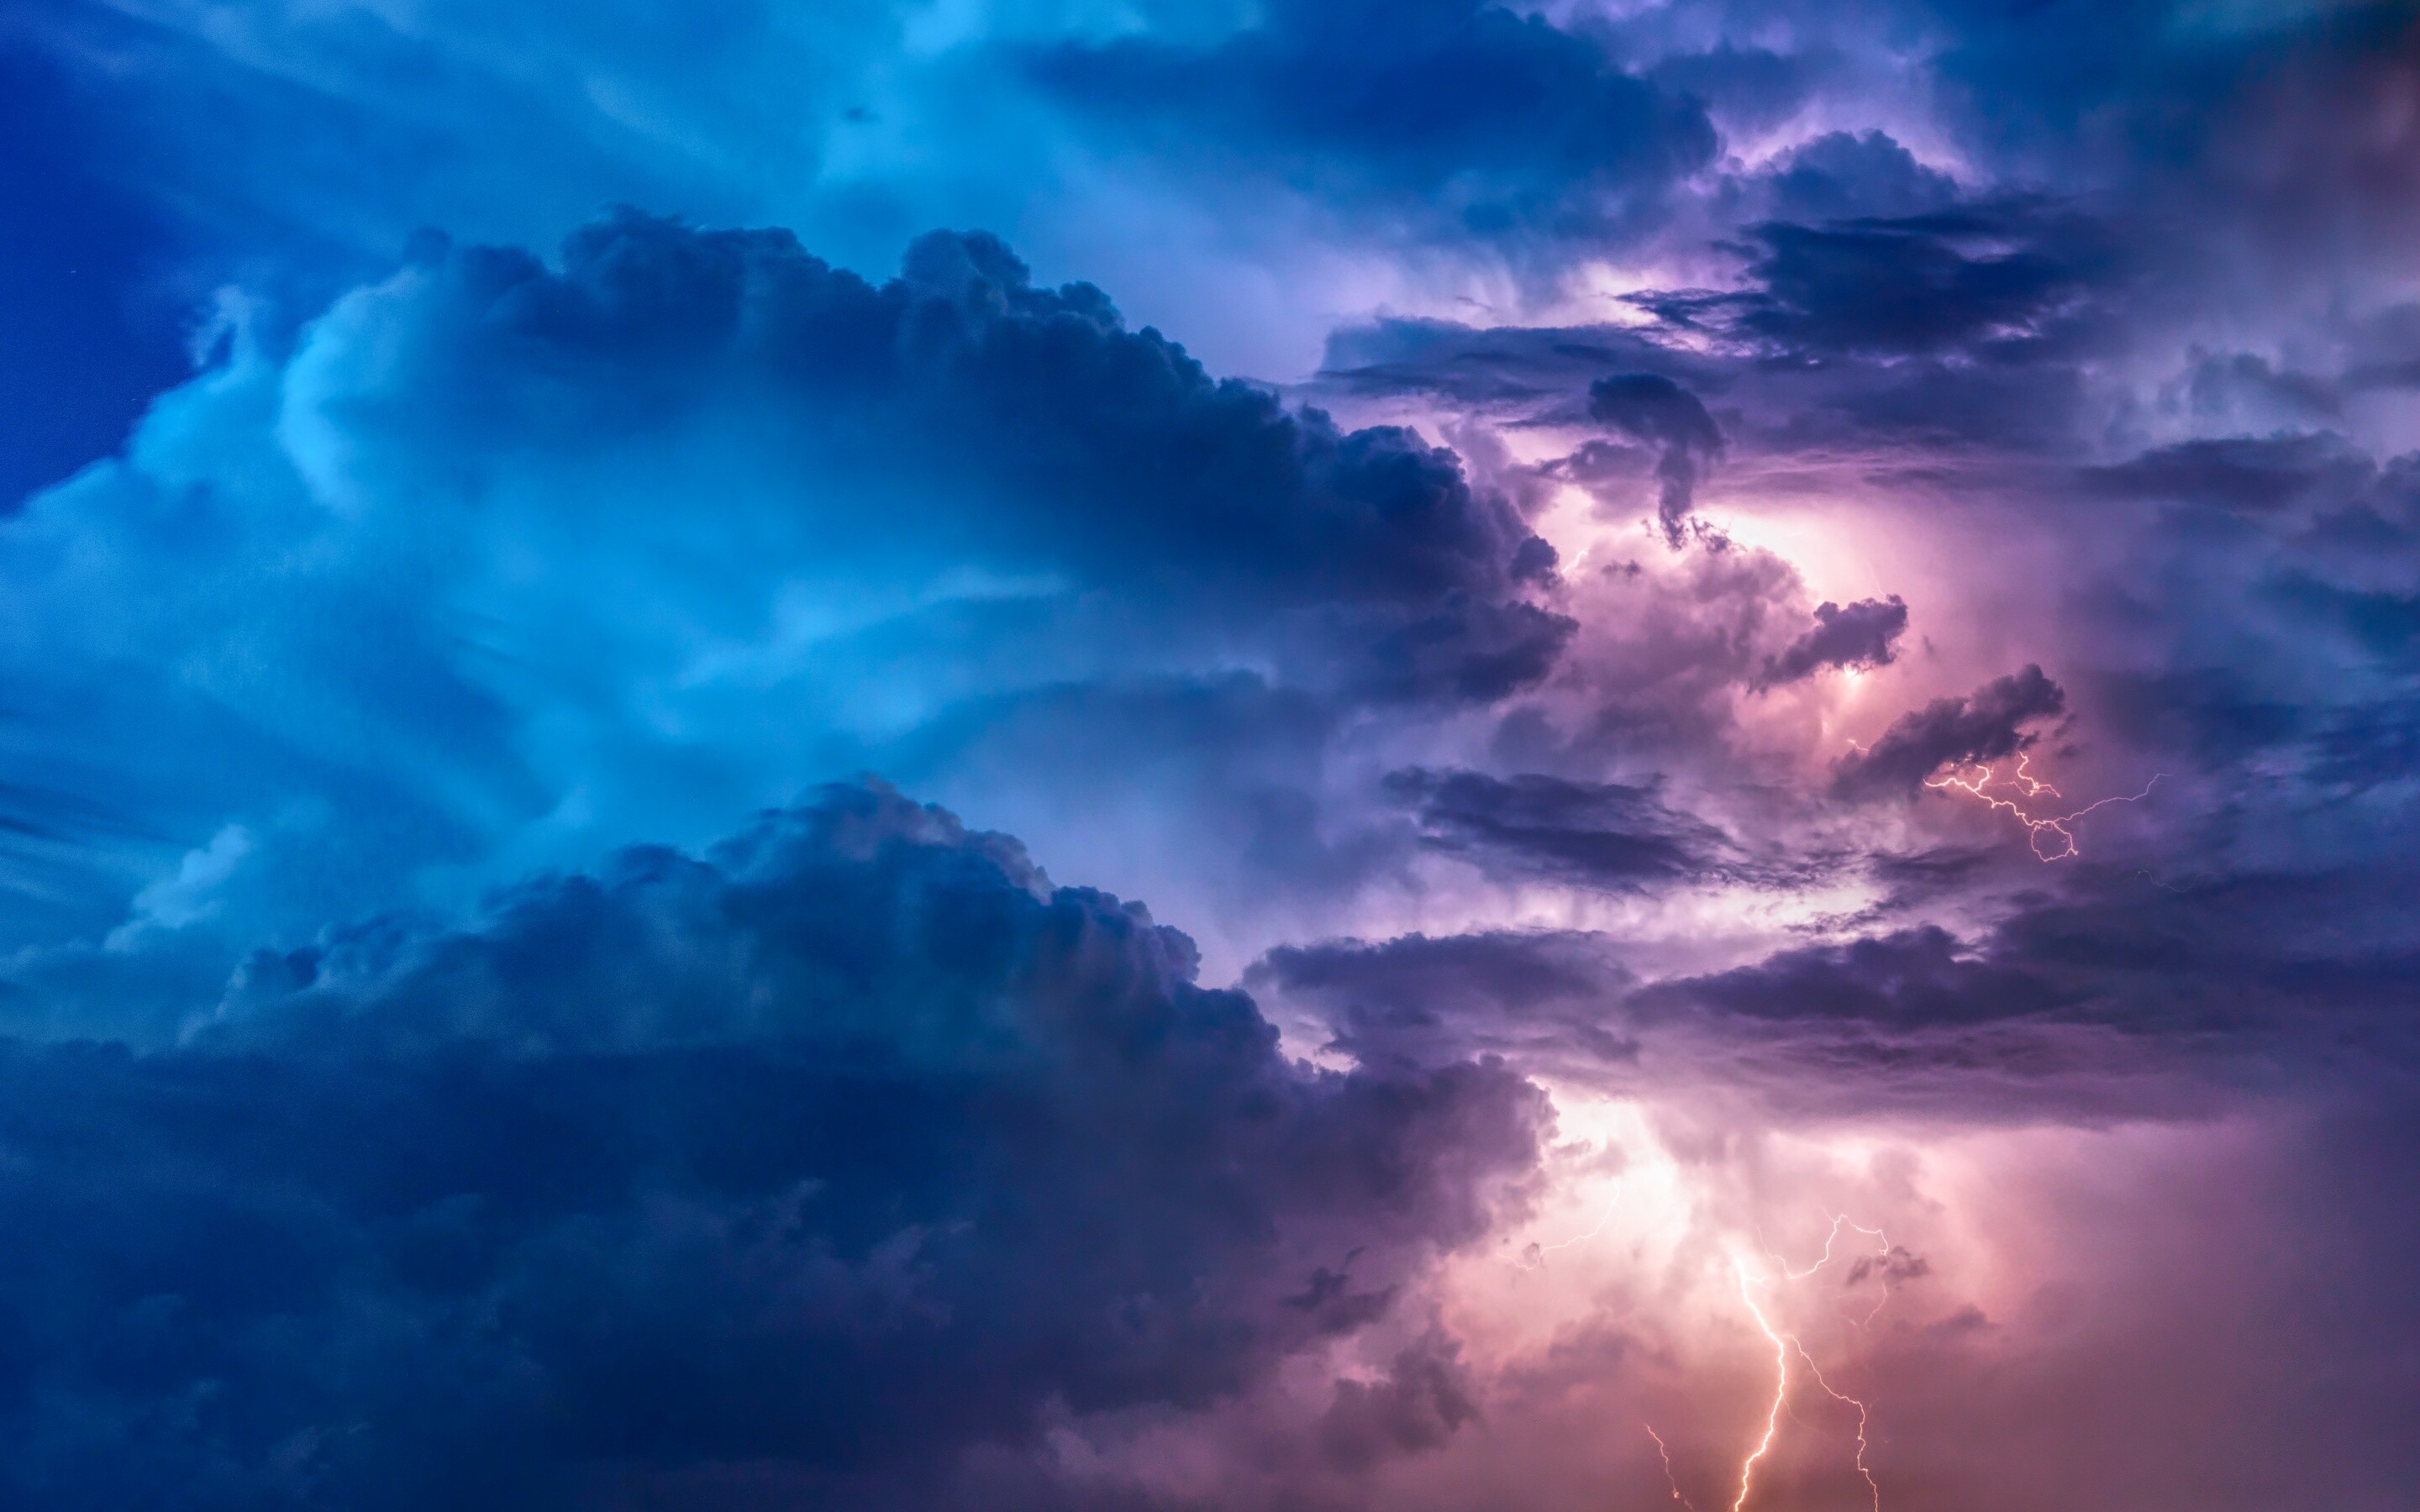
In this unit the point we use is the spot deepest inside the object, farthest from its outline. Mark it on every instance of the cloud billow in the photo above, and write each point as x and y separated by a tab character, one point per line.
850	1162
1113	452
694	502
805	1165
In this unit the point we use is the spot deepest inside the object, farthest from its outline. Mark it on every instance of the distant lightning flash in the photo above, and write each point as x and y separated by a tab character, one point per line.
2029	789
1534	1256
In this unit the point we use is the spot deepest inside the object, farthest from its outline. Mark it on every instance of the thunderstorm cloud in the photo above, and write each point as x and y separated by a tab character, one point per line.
1694	678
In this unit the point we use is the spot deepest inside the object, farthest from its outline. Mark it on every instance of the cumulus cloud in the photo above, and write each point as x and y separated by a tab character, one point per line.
500	547
1844	175
816	1160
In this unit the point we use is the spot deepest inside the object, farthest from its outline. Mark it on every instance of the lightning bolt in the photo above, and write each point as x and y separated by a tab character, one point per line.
1670	1478
1816	1372
1780	1389
1831	1239
1534	1256
2029	788
1782	1345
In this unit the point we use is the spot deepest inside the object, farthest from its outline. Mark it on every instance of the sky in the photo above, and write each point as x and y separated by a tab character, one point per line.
1147	755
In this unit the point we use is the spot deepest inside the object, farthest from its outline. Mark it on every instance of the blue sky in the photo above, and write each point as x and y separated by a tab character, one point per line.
1194	755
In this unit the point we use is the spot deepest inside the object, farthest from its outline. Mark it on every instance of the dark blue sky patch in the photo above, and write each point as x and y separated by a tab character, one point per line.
94	315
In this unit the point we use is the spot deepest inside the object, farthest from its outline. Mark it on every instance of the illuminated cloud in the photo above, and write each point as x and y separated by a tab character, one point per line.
1863	635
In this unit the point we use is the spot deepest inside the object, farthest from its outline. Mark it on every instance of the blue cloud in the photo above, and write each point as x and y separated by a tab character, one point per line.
504	559
806	1164
1458	119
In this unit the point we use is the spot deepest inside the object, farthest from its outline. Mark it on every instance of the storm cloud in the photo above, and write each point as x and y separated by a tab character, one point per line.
1984	725
846	1146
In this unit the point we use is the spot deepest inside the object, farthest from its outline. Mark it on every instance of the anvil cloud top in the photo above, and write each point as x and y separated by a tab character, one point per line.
1313	755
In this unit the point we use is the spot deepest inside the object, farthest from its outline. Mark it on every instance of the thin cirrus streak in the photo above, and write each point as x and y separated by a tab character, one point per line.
2030	788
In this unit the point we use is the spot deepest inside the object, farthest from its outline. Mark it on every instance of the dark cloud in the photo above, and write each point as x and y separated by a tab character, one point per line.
1607	836
1463	119
1469	650
1424	1397
2241	472
1546	995
1983	726
1845	176
848	1147
1122	457
1660	412
463	547
818	1171
1911	980
1988	278
1744	87
1865	633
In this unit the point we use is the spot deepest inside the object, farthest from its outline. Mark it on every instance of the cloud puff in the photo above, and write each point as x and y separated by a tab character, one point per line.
1846	175
842	1149
1865	633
